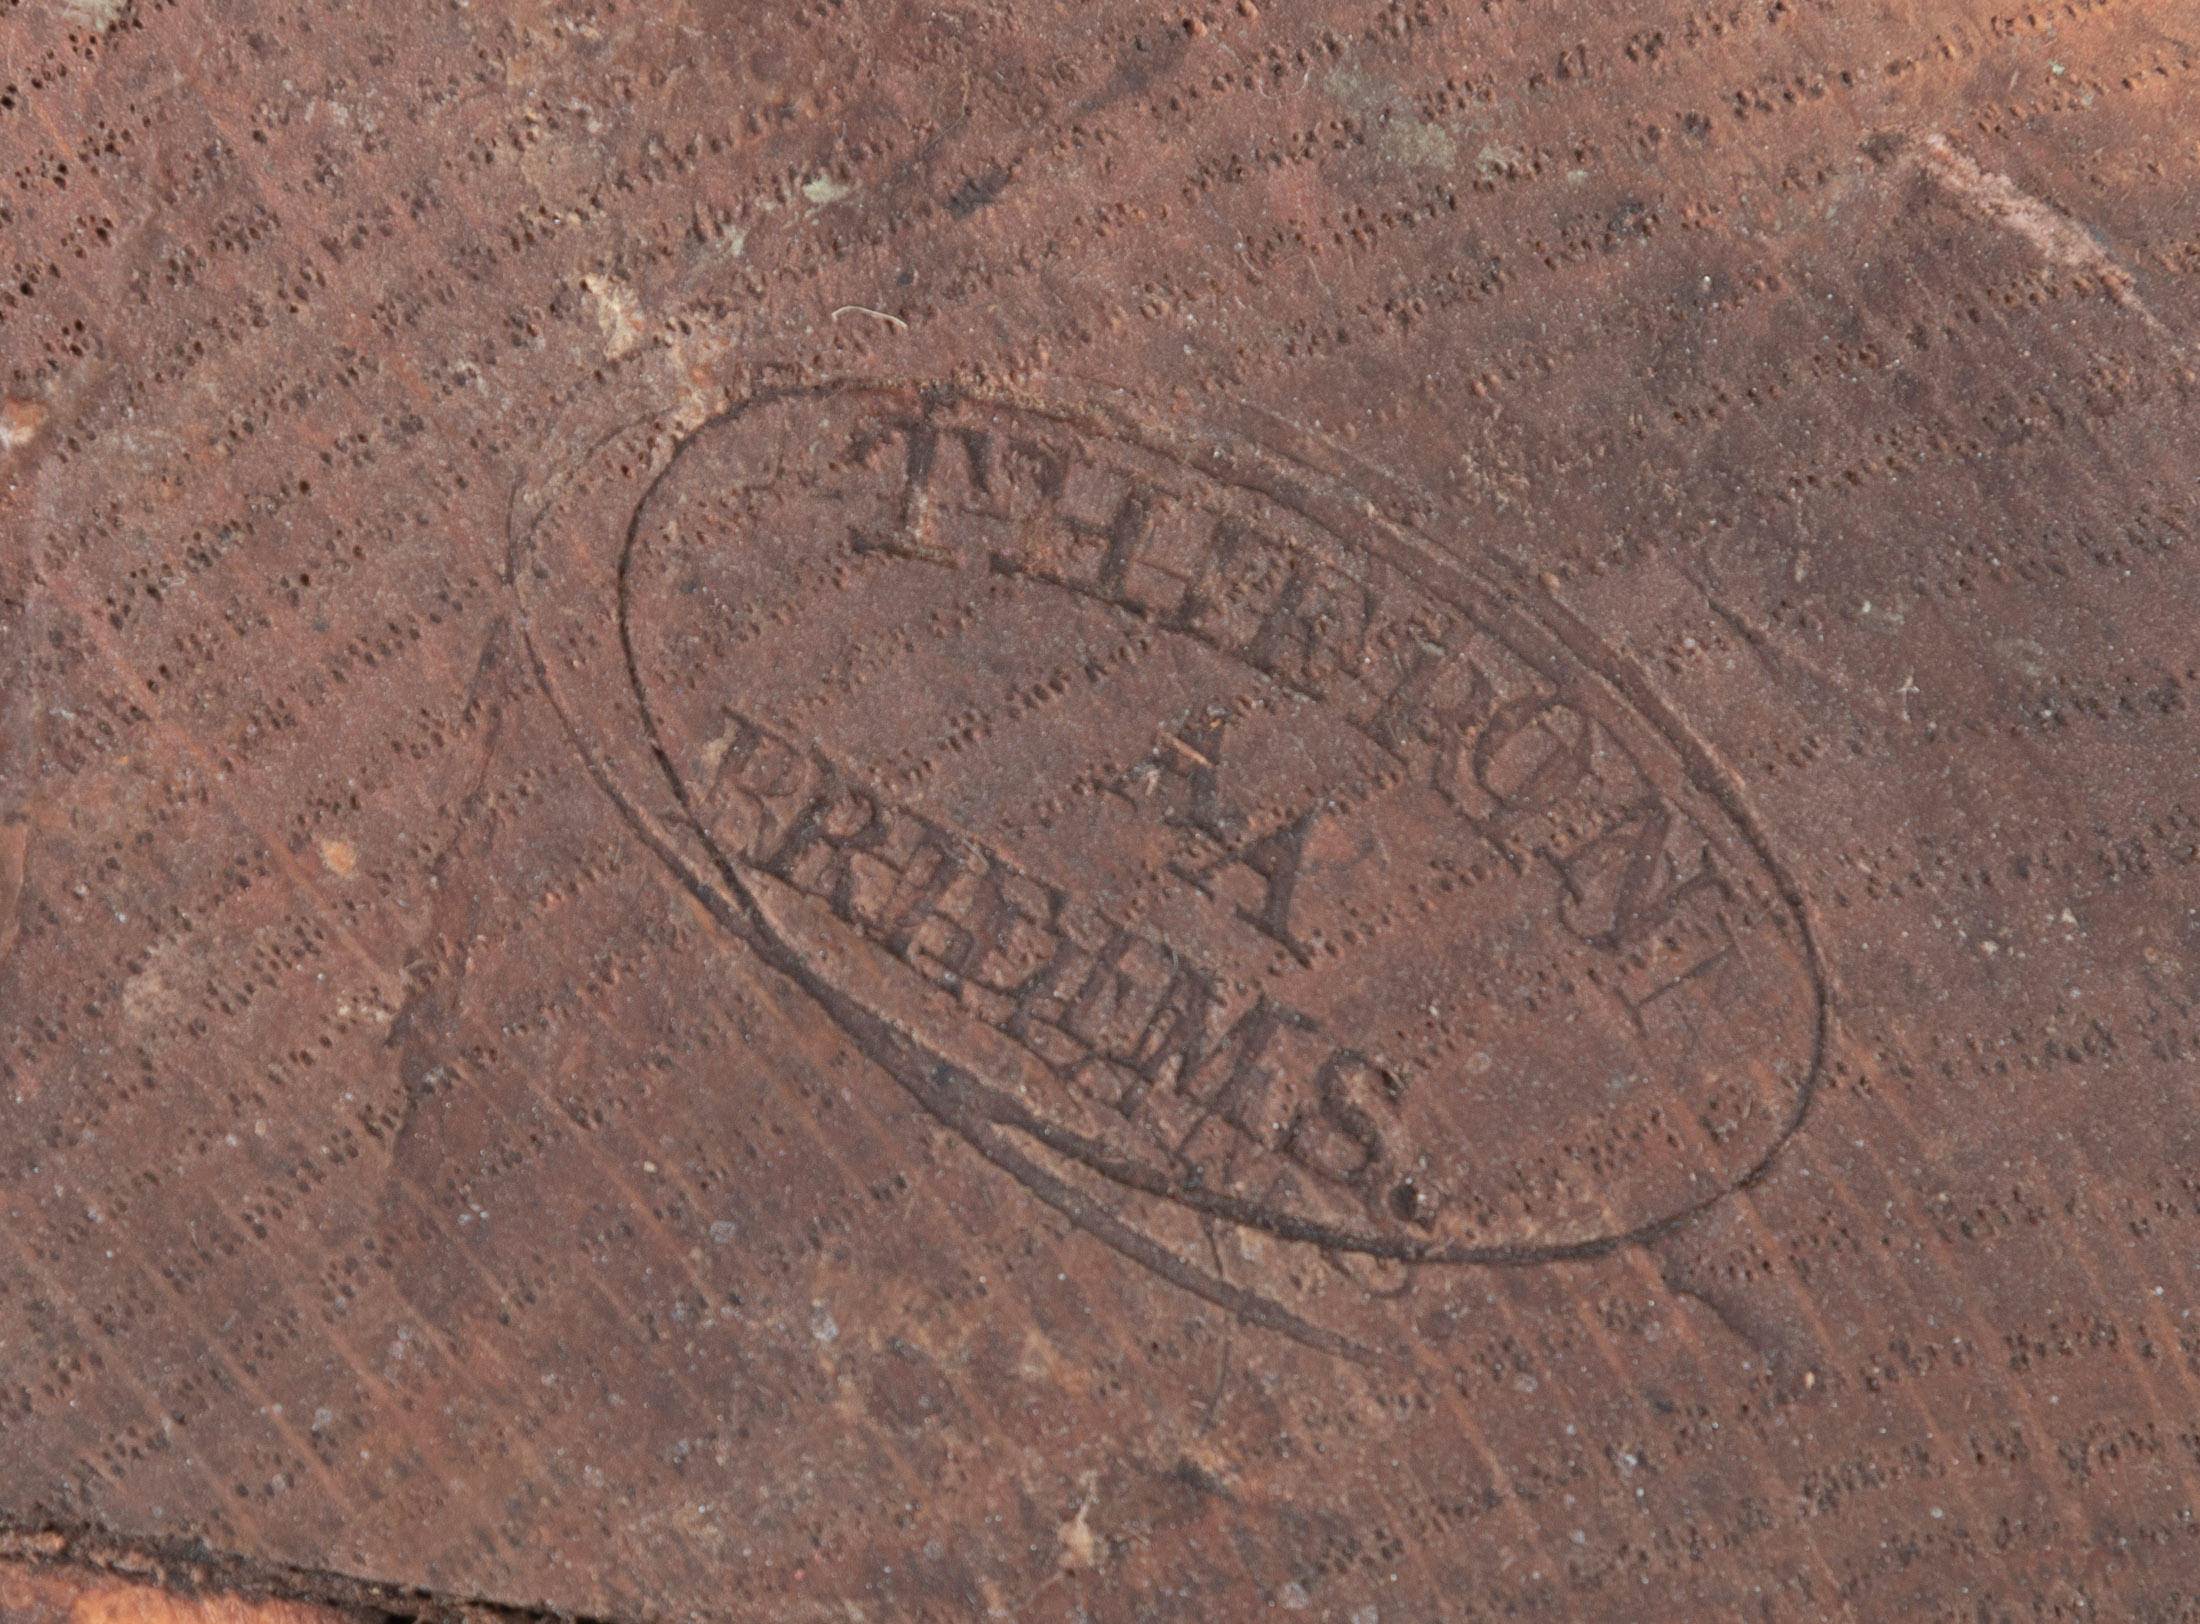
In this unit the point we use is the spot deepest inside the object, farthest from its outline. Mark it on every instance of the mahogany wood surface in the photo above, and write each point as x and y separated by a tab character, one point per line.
1381	810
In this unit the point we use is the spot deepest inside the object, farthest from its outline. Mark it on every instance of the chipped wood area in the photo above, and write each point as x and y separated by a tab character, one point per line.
1376	809
37	1593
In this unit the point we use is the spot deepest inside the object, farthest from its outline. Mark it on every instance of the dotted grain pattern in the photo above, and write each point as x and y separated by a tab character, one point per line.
428	1157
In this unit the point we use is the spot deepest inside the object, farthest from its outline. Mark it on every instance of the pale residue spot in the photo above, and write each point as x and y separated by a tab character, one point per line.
866	310
2027	656
617	314
1080	1546
1401	133
147	996
339	859
98	13
823	189
711	754
1496	162
2058	240
19	422
1419	142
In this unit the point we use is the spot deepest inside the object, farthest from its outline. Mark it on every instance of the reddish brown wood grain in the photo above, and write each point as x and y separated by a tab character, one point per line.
1047	812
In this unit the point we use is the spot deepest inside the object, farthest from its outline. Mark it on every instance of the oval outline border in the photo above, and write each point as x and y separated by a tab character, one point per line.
1331	504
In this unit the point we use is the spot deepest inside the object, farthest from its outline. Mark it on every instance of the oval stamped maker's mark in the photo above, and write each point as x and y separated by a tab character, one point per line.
1285	900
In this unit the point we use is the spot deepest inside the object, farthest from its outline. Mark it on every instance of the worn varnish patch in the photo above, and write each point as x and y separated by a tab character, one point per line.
1379	811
